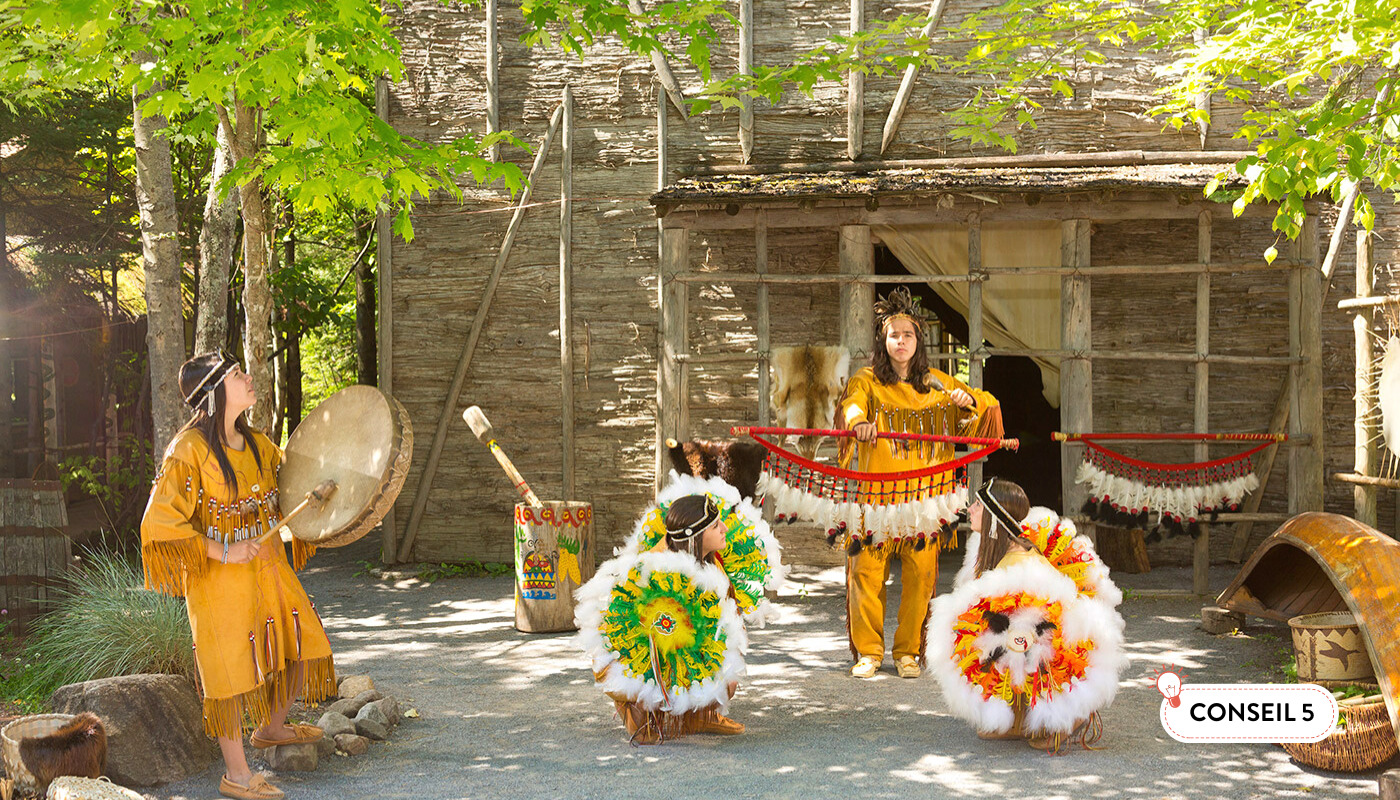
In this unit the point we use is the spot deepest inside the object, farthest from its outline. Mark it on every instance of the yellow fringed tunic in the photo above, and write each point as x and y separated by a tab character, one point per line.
253	622
899	408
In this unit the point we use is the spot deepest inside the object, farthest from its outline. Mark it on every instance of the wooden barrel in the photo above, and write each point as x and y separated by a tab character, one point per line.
34	549
553	556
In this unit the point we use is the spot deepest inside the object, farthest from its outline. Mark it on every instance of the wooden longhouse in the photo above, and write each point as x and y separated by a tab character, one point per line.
670	254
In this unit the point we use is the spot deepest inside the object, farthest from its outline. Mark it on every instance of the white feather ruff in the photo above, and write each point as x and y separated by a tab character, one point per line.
678	486
1105	590
1081	618
1183	503
896	521
593	599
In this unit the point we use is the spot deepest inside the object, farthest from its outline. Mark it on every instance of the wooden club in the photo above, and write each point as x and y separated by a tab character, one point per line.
480	426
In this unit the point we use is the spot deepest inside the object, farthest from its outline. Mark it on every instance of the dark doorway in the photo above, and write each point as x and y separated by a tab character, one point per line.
1013	380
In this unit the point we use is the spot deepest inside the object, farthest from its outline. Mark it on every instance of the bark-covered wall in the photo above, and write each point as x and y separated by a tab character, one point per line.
438	278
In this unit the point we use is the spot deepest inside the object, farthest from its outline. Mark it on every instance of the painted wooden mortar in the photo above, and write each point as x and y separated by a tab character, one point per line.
553	557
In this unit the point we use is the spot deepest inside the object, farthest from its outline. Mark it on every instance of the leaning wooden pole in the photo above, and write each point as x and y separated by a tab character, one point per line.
746	32
449	405
566	317
664	75
906	86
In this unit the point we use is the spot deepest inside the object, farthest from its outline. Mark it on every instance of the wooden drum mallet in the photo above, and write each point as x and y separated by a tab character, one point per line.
480	426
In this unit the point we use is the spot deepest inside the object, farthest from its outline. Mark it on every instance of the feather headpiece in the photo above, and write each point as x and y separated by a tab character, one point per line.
898	304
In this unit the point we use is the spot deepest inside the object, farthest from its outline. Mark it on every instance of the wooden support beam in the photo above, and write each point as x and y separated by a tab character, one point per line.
763	334
984	275
856	256
855	91
493	78
1076	374
975	337
746	32
906	86
1305	464
1115	158
384	269
449	404
1367	448
566	281
672	389
1200	557
664	75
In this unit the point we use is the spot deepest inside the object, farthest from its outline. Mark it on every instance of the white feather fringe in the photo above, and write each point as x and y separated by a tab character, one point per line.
893	522
1184	503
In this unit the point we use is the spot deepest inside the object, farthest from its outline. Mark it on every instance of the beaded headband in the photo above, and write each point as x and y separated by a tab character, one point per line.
998	511
696	528
203	392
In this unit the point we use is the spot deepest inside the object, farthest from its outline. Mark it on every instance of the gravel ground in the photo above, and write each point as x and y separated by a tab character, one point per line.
506	714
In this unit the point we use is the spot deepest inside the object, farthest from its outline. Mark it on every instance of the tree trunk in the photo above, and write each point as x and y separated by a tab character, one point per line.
257	292
216	239
366	350
291	357
7	369
160	249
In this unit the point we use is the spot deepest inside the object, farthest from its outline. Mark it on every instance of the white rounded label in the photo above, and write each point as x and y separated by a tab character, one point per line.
1249	712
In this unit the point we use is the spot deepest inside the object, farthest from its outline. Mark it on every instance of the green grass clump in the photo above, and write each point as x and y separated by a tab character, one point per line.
104	624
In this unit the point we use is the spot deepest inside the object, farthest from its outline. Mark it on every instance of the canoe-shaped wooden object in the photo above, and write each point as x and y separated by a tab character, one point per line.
1327	562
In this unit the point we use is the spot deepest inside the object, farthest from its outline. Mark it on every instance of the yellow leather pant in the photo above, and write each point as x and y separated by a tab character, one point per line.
866	576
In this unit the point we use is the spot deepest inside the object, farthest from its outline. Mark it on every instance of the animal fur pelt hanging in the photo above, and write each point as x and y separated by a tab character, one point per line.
78	748
1022	636
736	463
806	384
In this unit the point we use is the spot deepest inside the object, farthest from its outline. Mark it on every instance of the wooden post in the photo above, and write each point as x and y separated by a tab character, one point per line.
566	319
746	31
764	343
493	78
1367	448
1076	374
857	256
906	86
1200	557
449	405
1202	98
974	330
855	90
384	251
1305	462
672	391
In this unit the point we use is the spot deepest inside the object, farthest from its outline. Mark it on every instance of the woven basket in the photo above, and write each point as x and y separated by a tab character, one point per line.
24	728
1365	742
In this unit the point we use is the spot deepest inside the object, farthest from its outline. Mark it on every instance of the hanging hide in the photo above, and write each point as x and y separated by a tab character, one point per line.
1388	395
736	463
807	382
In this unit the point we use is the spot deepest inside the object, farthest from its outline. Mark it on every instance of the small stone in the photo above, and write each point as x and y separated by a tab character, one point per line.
325	746
352	745
371	729
335	724
301	757
1390	785
412	713
367	697
356	685
390	707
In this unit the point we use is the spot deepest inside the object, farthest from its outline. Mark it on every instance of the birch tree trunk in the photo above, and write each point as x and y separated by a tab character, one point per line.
243	133
160	251
216	239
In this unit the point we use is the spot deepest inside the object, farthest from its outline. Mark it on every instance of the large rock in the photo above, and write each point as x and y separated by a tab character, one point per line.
300	757
371	723
334	724
325	747
352	745
352	705
155	726
355	685
390	708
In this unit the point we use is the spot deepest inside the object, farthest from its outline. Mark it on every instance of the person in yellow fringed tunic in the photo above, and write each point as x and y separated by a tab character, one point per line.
900	393
258	642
